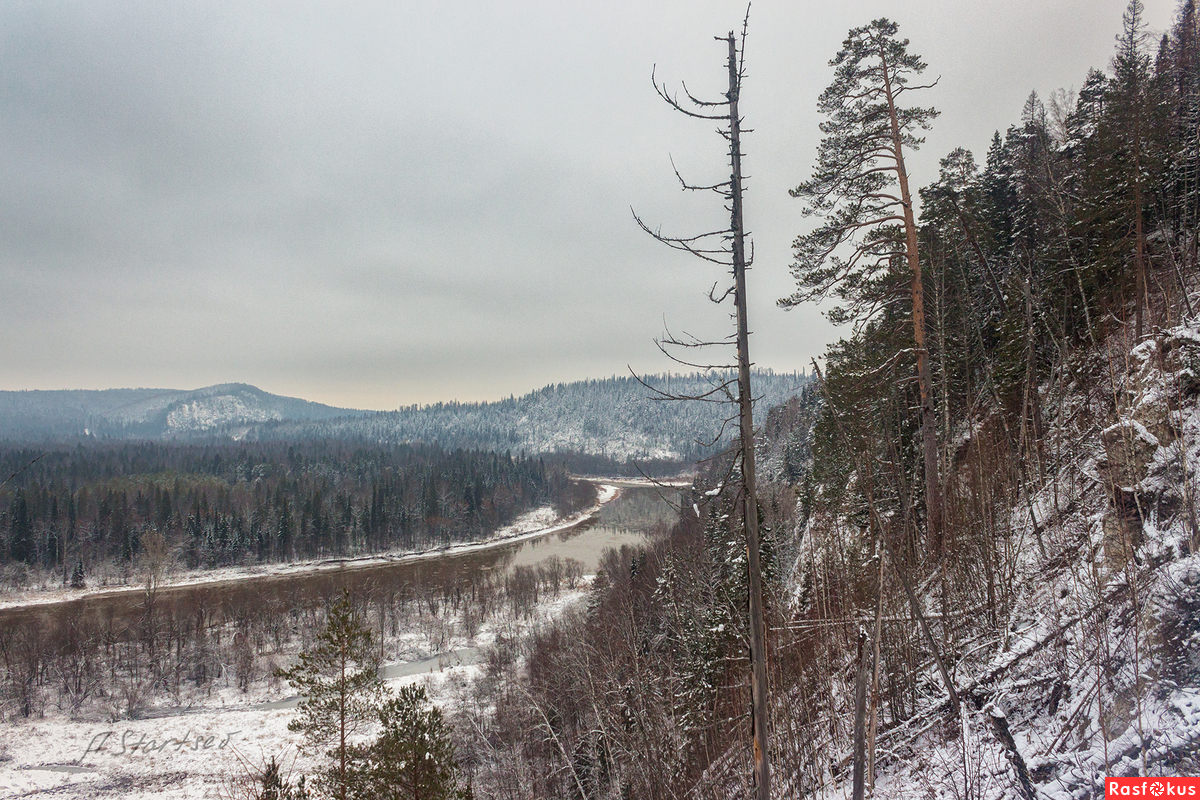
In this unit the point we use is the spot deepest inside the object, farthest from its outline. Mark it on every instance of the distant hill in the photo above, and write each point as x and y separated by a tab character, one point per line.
226	409
600	422
613	420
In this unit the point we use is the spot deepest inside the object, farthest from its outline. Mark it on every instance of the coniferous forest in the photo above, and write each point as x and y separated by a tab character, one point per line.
980	551
220	504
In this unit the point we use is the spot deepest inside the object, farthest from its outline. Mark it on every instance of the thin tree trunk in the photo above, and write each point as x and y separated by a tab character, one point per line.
993	281
342	699
891	553
860	713
873	724
758	653
915	605
1143	291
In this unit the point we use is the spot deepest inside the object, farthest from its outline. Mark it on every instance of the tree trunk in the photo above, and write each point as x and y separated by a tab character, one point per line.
342	699
758	680
933	491
1143	292
860	714
915	605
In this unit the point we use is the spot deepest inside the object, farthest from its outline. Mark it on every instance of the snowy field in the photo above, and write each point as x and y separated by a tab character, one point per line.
205	746
201	749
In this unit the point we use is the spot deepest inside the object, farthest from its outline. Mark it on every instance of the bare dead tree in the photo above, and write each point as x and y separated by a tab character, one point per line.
727	247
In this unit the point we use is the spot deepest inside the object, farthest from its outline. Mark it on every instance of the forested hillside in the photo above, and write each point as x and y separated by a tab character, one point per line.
613	425
612	421
68	414
92	512
1010	612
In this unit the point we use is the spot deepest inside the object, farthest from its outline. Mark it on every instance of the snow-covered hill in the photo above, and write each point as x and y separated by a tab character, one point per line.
615	419
148	413
1091	667
610	420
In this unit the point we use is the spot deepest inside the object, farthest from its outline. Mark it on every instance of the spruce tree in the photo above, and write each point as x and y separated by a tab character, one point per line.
77	577
1132	106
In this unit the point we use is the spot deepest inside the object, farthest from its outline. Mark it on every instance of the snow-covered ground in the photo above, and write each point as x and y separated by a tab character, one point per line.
1096	670
200	748
205	749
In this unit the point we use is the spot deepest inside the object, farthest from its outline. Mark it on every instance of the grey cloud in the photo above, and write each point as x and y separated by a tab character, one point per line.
376	200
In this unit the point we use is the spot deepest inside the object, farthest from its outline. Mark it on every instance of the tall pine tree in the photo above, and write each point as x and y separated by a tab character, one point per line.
861	192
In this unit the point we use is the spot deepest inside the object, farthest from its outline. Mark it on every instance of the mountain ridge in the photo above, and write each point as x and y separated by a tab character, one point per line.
38	414
616	419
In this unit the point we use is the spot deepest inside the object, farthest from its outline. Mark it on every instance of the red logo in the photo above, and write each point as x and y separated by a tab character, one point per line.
1153	788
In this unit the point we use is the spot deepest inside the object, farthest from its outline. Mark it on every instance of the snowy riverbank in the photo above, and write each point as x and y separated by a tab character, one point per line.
201	749
539	522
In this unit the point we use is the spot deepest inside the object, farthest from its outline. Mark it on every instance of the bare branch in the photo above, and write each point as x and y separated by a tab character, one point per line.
715	187
661	91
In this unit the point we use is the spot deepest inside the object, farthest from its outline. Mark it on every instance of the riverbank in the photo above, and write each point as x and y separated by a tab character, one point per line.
539	522
207	746
130	738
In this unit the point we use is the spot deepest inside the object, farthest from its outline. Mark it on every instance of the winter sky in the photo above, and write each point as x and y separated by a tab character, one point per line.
372	204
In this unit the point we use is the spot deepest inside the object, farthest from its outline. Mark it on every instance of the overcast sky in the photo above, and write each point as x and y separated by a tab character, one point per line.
376	204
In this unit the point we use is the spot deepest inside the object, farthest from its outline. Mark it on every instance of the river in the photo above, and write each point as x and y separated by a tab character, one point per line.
626	519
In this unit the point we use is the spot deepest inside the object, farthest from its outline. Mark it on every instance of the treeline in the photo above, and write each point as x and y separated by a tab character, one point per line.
120	655
1084	216
74	509
1082	219
1073	244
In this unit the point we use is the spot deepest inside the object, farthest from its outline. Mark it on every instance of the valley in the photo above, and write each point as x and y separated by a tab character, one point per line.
195	743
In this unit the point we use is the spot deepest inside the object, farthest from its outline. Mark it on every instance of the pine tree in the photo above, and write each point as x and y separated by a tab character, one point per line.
339	679
413	758
860	189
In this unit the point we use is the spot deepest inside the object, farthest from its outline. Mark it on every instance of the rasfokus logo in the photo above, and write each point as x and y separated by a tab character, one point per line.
1152	787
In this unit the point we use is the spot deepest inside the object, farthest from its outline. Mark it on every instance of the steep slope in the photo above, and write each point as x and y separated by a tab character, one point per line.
1085	661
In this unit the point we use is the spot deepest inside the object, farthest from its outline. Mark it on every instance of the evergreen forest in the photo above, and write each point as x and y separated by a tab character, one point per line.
89	508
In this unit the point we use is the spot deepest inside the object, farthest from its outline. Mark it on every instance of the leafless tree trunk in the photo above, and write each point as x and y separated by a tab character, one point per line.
758	648
860	713
731	252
